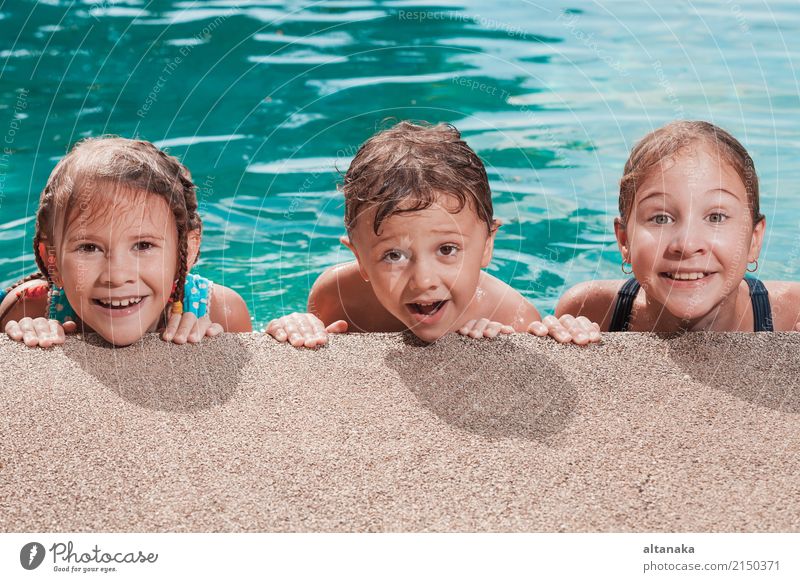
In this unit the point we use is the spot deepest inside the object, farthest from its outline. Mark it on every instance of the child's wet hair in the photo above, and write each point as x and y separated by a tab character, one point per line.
670	140
107	167
408	166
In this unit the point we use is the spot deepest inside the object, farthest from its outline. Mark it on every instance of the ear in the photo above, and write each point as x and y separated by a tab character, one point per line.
757	239
47	254
488	248
193	238
345	240
621	232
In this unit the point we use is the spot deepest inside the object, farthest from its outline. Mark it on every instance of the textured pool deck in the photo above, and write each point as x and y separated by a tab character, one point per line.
699	432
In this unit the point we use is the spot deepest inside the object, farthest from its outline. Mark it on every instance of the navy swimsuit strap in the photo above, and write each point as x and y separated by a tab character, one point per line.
762	312
622	310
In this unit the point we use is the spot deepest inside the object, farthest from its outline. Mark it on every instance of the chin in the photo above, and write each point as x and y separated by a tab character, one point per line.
122	340
428	336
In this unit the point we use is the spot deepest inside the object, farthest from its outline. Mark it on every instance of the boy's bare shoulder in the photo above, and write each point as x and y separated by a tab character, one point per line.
594	300
509	305
27	300
784	299
328	295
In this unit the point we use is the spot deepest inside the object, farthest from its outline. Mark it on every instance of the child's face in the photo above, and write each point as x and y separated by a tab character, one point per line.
690	234
117	268
425	265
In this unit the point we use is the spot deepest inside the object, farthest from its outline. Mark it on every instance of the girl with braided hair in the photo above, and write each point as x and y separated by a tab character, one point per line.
117	233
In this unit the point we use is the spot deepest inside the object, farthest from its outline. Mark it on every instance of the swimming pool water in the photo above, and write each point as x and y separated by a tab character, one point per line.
265	101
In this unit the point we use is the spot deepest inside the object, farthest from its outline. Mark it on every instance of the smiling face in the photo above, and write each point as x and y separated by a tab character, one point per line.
690	235
425	265
117	266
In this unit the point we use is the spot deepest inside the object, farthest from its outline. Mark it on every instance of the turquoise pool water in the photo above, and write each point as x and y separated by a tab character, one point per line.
264	101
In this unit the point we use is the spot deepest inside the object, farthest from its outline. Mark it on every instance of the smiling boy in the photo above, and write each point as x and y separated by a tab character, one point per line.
419	220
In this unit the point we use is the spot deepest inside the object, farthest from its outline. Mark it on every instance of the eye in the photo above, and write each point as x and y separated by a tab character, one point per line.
661	219
393	256
448	250
717	217
143	246
87	248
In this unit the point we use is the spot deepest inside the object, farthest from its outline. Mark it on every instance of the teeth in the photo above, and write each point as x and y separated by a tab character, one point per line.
120	302
686	276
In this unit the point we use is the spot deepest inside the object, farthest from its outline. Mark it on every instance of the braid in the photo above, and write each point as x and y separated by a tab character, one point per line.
31	277
183	267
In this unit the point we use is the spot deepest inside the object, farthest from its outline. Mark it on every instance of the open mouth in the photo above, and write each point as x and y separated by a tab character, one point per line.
426	309
693	276
118	303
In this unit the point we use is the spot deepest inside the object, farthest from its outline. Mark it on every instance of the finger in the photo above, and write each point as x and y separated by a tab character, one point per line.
467	327
279	334
42	329
538	328
70	327
214	330
590	328
557	330
172	326
276	330
184	328
575	329
492	329
27	331
293	332
317	334
479	327
14	331
506	329
337	327
58	333
198	330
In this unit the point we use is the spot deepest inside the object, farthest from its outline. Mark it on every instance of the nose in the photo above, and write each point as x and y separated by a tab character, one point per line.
423	274
118	270
687	241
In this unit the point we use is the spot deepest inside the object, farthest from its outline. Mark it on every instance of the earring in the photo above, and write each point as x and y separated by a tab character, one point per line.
623	268
754	269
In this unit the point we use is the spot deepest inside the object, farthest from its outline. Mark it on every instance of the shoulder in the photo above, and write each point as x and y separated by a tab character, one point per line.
592	299
510	307
229	310
26	300
331	290
784	300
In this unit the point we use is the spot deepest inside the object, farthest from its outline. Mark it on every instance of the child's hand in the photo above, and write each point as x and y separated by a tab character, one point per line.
186	327
484	328
40	332
303	329
567	329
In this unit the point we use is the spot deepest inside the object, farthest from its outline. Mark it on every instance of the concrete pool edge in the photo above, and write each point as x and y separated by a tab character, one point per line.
376	432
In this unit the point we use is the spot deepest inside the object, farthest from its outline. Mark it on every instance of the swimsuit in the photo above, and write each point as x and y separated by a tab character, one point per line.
762	312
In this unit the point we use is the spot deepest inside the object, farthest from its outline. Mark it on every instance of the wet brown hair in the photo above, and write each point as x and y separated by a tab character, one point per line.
106	166
406	167
667	142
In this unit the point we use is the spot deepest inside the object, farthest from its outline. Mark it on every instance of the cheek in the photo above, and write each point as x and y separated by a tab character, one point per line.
644	244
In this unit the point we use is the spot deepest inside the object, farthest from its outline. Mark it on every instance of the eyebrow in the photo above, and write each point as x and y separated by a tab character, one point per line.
449	231
664	194
76	238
